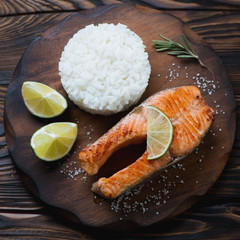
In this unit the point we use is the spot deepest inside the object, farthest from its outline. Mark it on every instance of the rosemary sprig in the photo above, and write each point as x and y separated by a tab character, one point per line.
182	50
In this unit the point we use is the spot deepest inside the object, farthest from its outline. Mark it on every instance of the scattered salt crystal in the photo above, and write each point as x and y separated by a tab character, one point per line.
71	171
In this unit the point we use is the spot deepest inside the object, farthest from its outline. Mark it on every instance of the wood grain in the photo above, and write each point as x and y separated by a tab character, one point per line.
206	223
187	5
213	216
16	7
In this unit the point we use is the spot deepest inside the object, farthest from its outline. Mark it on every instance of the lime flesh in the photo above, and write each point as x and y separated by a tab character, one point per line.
42	100
159	133
54	141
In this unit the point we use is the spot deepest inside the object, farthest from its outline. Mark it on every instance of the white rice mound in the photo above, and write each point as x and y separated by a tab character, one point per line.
104	69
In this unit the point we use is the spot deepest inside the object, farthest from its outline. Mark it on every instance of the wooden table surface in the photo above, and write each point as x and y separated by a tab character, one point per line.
214	216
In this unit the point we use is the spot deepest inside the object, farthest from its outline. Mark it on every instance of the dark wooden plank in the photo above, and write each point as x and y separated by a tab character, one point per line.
13	7
218	222
16	7
190	5
218	207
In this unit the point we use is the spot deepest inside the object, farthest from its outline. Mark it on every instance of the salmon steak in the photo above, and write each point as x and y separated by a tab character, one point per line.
191	118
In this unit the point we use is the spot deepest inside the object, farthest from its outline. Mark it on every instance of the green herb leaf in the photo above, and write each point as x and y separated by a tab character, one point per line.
180	50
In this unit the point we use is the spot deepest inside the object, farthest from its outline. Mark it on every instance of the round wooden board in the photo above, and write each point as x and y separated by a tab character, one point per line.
62	185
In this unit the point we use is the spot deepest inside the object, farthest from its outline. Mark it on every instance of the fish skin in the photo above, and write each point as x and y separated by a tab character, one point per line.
191	118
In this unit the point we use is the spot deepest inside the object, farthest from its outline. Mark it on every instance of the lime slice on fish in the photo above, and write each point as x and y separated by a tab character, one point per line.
159	133
54	141
43	101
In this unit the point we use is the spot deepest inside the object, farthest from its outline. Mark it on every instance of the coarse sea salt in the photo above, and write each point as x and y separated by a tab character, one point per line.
202	82
71	170
133	201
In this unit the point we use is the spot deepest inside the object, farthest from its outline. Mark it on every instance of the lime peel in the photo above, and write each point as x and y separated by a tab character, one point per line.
159	132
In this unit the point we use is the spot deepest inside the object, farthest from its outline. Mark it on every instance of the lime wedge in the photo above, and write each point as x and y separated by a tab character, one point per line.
159	133
43	101
54	141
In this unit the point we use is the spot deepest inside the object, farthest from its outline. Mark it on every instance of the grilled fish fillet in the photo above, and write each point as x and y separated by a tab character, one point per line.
191	118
